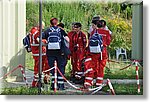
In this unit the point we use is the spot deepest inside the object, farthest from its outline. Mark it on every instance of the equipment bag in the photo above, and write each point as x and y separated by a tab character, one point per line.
54	39
26	43
96	43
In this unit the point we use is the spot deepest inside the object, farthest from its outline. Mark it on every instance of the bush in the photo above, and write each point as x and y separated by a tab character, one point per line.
117	17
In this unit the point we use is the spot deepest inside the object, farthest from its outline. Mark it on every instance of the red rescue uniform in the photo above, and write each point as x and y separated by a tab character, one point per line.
77	45
95	63
34	35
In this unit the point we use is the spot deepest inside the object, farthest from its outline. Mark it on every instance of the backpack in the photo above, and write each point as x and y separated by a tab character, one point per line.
26	43
65	47
54	39
96	43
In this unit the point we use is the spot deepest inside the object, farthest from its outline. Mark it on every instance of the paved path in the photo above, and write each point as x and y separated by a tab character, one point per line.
29	76
69	89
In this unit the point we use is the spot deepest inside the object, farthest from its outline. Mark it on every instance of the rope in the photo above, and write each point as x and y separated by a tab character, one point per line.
75	86
48	69
10	72
100	87
126	67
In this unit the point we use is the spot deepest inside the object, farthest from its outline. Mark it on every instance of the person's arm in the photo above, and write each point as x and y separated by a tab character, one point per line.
108	38
65	35
45	34
84	40
70	42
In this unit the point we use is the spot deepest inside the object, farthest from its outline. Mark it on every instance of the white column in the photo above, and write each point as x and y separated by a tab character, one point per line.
12	31
1	33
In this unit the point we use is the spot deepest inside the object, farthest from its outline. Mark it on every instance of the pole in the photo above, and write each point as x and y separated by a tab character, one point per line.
40	47
55	75
137	76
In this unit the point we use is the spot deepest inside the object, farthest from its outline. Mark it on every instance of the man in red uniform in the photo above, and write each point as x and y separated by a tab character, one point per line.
95	63
34	36
77	45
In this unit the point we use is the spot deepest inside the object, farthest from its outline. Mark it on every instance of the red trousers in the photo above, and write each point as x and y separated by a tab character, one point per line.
45	67
94	68
76	62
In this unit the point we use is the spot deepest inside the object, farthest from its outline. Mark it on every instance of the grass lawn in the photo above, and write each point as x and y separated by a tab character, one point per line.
112	70
120	89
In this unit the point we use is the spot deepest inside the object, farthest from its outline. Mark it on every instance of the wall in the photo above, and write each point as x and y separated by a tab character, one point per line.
12	31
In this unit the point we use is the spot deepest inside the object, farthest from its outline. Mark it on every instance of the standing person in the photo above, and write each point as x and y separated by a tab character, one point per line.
94	20
97	19
77	45
104	26
34	36
55	37
96	56
66	43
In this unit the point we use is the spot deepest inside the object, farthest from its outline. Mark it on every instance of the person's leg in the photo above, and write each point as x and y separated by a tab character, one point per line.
89	72
61	62
51	60
100	72
45	65
35	79
74	57
45	68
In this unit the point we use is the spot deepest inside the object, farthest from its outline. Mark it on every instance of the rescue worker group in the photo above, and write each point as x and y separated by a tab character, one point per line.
88	54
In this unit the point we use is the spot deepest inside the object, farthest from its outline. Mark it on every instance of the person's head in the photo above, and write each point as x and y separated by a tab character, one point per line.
77	27
61	25
54	21
43	25
94	23
97	17
101	24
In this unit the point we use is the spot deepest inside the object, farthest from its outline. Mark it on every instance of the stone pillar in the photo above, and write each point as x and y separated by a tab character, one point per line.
137	31
12	30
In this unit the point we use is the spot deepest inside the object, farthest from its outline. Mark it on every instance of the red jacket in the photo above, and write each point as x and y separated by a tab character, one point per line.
77	40
106	41
34	34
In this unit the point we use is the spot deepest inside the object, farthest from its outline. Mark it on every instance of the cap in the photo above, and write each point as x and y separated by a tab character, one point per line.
97	17
77	25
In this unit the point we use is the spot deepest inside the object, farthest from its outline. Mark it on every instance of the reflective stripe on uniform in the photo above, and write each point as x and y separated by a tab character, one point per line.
60	77
86	83
79	72
36	75
54	77
88	70
77	76
33	37
88	59
89	78
60	82
99	78
34	44
98	84
38	54
35	79
43	44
